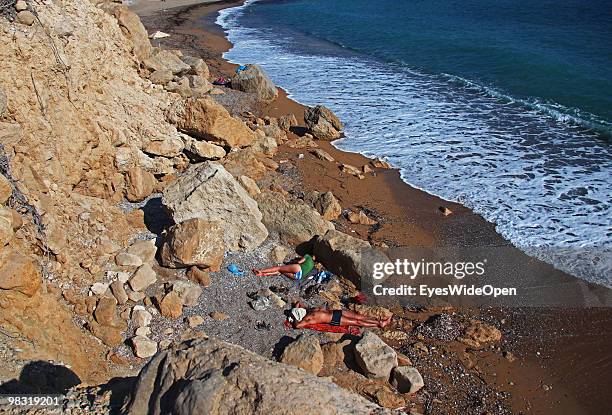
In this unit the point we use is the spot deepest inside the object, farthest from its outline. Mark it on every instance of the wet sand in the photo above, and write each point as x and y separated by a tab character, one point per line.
566	348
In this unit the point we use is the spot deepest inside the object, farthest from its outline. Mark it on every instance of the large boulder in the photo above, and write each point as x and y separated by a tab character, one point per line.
132	27
202	150
305	353
323	123
348	256
375	358
205	119
253	79
168	147
245	163
166	60
209	192
197	66
328	206
18	272
208	376
194	242
139	184
295	221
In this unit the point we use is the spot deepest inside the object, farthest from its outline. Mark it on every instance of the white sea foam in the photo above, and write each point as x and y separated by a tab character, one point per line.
545	184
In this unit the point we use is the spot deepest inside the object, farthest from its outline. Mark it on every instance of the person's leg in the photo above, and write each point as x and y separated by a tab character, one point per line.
283	269
368	320
347	321
380	323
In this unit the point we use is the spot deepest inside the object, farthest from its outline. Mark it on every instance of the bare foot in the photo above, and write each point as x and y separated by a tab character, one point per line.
386	322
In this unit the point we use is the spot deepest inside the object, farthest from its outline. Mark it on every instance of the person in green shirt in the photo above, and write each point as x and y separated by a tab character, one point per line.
296	269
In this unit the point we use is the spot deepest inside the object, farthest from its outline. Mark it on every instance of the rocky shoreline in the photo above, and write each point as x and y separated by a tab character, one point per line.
130	184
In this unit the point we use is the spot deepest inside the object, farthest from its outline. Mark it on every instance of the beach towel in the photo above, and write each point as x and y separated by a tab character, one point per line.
328	328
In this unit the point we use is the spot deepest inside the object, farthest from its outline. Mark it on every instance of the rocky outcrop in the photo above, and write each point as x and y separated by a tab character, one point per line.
375	358
194	242
203	118
323	123
133	29
208	376
305	352
328	206
253	79
295	221
209	192
348	256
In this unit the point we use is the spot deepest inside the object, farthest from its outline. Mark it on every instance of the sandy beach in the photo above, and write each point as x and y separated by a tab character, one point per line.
147	7
411	218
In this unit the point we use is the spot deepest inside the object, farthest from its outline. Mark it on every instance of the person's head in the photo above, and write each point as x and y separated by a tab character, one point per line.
314	258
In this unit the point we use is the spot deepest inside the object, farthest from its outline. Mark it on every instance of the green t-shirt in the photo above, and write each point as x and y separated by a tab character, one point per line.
307	265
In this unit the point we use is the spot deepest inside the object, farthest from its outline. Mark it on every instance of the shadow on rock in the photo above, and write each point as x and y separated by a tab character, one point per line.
156	218
280	346
40	377
120	388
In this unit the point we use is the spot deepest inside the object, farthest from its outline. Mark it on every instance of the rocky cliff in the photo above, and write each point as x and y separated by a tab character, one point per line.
208	376
93	121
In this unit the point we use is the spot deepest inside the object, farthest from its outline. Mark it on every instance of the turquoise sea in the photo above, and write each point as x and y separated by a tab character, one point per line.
503	106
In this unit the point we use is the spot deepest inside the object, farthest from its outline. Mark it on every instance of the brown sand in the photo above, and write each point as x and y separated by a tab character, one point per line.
148	7
568	349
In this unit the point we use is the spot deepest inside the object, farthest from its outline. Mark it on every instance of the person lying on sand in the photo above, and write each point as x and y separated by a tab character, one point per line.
295	269
301	317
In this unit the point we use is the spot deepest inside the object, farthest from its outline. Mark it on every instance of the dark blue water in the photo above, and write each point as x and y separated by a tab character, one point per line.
503	106
553	52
